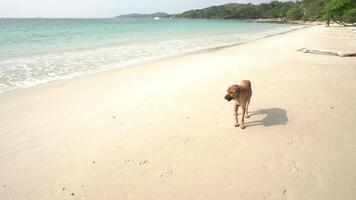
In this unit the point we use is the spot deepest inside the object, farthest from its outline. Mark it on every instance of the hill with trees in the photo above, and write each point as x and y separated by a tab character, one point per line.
341	11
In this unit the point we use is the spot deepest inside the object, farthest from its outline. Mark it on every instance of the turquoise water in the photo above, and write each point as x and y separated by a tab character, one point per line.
34	51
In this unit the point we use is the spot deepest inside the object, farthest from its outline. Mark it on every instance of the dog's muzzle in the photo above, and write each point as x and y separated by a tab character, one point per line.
228	97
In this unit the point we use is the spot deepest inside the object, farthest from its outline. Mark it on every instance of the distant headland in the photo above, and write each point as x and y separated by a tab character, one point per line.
339	11
152	15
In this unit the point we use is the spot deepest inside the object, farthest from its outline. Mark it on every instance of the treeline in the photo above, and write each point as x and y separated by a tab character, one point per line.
307	10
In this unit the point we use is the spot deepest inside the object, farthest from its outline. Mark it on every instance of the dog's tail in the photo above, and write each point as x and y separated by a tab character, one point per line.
246	84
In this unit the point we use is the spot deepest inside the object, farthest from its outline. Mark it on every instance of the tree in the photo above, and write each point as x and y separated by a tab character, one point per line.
294	13
350	15
337	10
312	9
340	11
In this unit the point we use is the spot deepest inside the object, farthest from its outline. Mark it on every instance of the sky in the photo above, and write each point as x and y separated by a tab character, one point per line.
101	8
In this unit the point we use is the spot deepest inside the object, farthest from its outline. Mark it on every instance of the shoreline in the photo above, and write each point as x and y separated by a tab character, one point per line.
154	59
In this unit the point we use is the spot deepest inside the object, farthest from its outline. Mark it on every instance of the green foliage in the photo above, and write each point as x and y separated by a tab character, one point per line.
294	13
350	15
313	9
274	9
341	10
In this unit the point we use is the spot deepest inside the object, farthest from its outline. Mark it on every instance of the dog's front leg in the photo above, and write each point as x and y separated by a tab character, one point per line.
236	108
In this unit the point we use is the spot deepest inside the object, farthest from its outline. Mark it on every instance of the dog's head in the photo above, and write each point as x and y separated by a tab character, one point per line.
232	92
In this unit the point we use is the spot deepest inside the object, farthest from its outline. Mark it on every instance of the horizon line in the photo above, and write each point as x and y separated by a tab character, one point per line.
139	12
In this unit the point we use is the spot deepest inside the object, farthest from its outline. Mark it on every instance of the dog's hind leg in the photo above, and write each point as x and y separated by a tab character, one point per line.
247	104
243	116
236	108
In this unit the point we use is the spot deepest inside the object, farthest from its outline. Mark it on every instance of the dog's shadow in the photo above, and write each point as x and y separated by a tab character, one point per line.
273	116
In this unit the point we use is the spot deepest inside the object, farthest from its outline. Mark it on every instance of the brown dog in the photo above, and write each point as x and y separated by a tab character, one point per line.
242	95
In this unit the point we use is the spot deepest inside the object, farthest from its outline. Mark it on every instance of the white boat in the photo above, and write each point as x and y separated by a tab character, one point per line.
157	18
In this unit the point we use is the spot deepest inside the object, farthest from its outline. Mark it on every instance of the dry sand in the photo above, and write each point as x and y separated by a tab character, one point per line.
162	130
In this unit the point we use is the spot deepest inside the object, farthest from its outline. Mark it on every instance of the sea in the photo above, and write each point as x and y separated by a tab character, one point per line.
36	51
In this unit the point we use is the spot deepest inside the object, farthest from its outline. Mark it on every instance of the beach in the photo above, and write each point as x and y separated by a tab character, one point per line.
162	129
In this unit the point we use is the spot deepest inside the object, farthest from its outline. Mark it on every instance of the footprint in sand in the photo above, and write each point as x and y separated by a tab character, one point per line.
295	169
296	140
292	141
127	161
143	162
167	174
228	184
186	140
283	195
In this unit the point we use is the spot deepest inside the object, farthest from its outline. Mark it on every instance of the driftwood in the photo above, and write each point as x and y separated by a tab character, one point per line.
327	52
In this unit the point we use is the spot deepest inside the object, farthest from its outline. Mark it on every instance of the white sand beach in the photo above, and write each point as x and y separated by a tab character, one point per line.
162	130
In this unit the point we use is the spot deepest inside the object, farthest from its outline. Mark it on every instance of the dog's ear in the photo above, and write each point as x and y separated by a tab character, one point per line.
237	89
